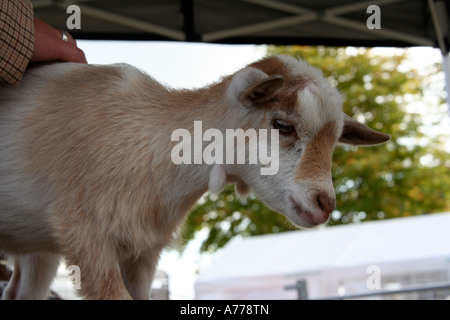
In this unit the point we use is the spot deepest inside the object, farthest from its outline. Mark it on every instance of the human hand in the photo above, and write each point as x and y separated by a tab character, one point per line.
49	45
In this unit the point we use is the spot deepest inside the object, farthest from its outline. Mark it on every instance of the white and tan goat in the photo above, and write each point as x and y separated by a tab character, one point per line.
86	173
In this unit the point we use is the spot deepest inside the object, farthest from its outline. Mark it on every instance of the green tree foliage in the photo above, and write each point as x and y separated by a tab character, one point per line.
400	178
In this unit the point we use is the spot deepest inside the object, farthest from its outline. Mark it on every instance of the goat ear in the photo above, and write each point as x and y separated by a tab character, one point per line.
356	133
262	91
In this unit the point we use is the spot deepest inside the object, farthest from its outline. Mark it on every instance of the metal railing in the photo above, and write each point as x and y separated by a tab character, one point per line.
301	288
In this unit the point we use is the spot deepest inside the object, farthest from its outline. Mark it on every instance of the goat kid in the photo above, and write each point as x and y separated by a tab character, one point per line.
86	173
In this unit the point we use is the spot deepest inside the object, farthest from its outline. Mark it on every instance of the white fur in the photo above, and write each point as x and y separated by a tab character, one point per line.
327	102
301	68
311	108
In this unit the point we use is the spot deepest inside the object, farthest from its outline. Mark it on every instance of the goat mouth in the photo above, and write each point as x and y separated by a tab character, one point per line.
306	217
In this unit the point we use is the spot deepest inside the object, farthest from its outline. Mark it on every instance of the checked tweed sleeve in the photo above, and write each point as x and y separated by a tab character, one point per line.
16	39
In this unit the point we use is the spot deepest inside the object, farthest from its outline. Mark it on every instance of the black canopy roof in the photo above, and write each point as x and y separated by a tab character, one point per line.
403	23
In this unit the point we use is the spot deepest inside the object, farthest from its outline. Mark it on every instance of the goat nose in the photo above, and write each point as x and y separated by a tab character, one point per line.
325	202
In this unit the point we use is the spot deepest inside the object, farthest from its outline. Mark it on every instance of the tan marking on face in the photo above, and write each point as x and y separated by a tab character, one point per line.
316	161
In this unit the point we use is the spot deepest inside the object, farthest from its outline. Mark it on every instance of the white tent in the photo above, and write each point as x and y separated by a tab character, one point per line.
333	260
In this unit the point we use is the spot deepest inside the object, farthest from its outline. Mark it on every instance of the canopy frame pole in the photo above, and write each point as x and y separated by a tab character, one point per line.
347	23
280	6
332	16
38	4
268	25
303	15
132	23
441	27
446	68
114	18
349	8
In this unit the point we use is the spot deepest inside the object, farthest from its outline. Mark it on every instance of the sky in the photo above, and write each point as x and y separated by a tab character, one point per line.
179	65
192	65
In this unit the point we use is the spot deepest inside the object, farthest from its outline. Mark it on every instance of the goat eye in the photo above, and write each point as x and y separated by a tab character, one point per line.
284	128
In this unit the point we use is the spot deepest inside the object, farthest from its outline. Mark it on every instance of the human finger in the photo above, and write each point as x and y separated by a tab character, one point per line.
69	52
